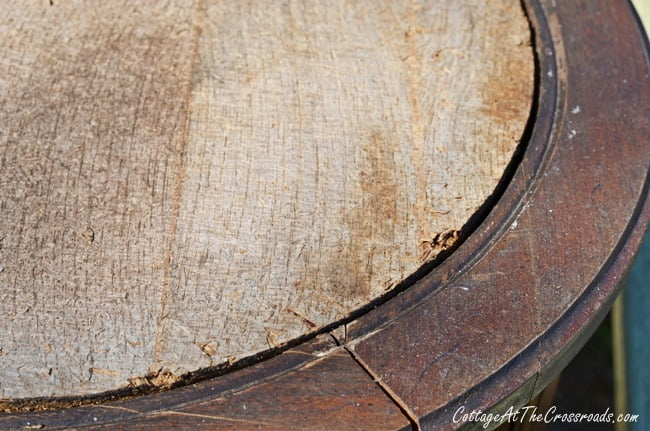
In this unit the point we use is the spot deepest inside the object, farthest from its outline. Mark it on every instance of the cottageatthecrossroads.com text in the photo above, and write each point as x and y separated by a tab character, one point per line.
531	414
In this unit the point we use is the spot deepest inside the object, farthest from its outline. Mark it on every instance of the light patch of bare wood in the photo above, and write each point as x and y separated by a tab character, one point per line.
183	185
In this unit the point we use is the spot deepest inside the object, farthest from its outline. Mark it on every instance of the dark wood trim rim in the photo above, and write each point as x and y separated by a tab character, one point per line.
494	322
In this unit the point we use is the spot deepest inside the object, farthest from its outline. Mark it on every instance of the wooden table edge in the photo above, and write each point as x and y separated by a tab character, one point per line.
517	380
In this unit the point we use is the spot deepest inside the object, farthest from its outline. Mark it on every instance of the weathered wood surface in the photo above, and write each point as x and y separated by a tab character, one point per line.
184	184
272	394
541	273
339	392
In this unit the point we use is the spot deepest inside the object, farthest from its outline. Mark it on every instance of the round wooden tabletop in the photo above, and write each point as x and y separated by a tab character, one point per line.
232	180
213	182
483	322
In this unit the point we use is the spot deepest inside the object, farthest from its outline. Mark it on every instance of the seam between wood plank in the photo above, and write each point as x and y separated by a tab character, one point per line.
399	403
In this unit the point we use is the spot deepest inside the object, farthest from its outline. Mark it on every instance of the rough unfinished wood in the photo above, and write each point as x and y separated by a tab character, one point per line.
184	184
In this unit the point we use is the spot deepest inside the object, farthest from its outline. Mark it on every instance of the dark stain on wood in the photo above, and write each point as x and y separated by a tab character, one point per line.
371	223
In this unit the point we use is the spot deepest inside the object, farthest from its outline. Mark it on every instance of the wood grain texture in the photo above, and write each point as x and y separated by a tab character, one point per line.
536	283
91	142
271	394
341	396
181	186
